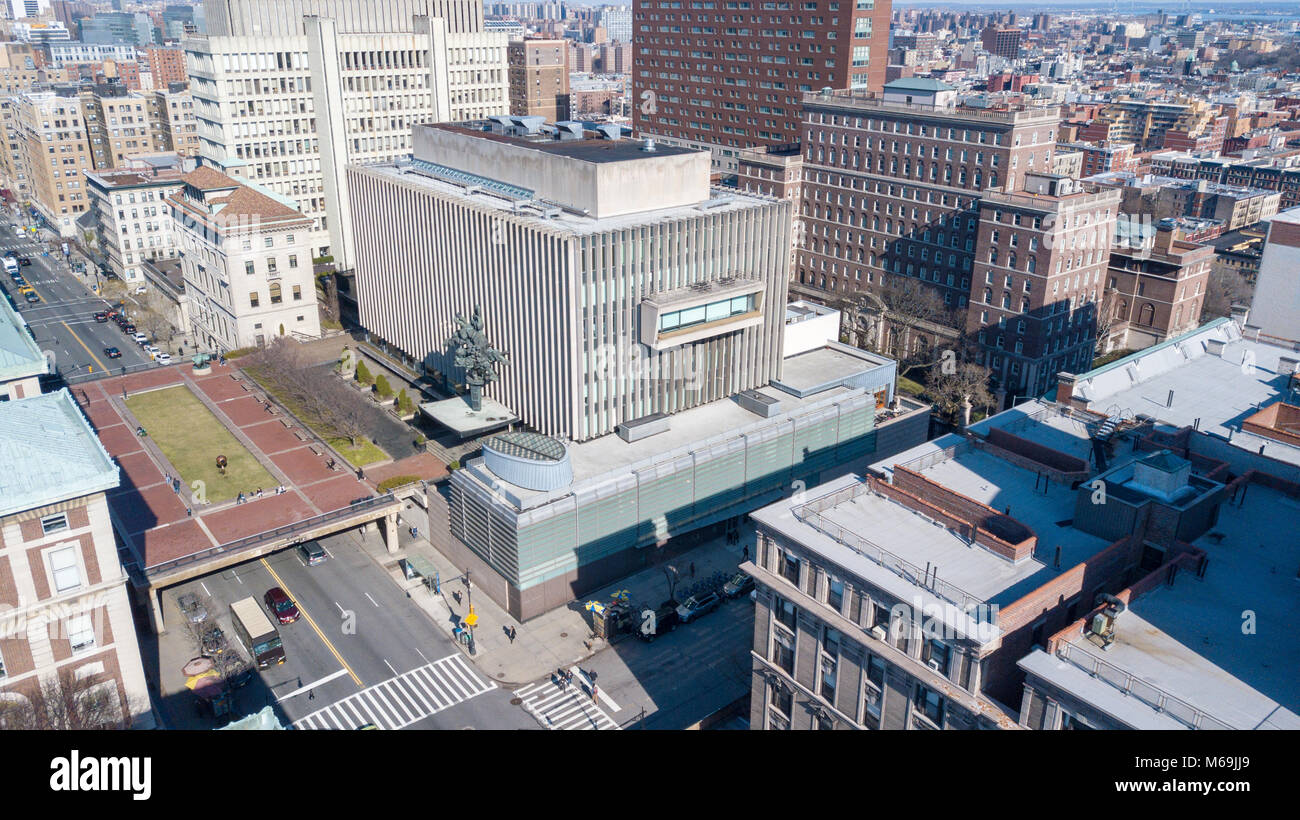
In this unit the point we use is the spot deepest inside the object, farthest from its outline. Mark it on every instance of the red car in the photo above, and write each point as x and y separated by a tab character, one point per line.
281	606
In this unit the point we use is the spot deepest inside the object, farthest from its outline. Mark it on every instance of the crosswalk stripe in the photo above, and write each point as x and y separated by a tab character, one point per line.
563	709
403	699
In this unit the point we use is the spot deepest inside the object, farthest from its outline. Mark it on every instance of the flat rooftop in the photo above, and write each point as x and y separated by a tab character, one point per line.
590	148
1217	391
693	429
1187	639
721	200
48	453
804	372
1045	423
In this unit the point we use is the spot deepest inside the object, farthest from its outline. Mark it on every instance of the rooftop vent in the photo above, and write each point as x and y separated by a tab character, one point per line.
649	145
610	131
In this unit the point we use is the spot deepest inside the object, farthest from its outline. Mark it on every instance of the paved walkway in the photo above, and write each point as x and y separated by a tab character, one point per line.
164	524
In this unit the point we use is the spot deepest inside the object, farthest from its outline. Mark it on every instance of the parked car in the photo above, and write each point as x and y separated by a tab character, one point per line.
24	260
32	297
140	338
151	349
101	317
739	584
214	641
141	289
112	353
697	605
281	606
128	329
163	358
19	281
192	608
312	553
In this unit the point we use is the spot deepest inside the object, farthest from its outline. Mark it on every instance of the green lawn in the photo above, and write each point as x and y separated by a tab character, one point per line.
365	453
908	386
191	438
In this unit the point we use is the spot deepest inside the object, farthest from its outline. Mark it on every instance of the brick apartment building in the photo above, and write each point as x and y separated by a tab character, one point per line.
891	186
729	75
166	64
539	78
1004	41
1154	291
1103	157
1040	259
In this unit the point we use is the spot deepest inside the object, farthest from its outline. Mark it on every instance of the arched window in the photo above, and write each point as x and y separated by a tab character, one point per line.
1031	264
1147	314
276	298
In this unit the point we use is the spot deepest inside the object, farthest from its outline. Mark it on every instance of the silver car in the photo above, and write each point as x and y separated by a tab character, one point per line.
192	608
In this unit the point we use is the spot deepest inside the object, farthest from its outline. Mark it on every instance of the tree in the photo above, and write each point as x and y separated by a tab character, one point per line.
405	405
956	391
63	702
322	401
1107	317
364	375
908	307
152	318
1225	288
382	387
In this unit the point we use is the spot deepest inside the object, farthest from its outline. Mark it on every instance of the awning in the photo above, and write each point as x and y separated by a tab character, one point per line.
422	566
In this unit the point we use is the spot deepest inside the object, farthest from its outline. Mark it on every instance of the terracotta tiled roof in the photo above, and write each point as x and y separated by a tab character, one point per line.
242	203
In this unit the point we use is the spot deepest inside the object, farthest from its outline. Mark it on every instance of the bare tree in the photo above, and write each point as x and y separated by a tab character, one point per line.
152	318
62	702
957	391
323	401
909	306
1107	317
1225	288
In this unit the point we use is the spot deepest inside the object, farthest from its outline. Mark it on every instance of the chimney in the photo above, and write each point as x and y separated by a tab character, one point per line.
1166	235
1065	387
1286	365
1239	314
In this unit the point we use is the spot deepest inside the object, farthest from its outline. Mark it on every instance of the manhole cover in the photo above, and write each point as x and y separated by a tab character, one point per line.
564	634
516	701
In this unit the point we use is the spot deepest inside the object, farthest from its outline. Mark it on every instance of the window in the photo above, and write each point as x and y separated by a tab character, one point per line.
63	566
81	633
835	595
54	523
270	265
276	298
785	613
790	568
270	242
297	294
783	651
873	686
249	269
783	699
936	656
830	663
930	704
252	299
293	261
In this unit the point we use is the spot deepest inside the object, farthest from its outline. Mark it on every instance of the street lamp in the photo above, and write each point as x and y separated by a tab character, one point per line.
123	374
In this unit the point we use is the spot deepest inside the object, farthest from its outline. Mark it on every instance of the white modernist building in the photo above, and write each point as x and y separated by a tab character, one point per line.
607	268
246	261
295	90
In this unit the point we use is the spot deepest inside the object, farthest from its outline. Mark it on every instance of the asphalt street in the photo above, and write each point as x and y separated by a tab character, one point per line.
64	320
361	652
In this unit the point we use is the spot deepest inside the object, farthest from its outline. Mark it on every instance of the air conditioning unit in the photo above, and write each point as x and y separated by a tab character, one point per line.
879	632
933	663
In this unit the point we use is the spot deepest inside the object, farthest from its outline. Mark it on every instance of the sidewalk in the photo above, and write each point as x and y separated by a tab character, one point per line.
559	638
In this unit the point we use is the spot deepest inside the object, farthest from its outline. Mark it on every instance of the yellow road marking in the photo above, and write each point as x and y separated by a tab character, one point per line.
83	344
307	618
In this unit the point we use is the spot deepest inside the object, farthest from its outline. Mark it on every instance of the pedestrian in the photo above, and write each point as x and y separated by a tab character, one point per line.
189	511
692	569
746	552
512	634
594	693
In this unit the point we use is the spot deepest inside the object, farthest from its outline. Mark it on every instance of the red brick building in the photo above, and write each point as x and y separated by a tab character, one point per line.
728	75
167	65
1154	292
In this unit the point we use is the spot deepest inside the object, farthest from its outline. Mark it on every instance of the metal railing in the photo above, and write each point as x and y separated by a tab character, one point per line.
811	514
257	539
1126	682
867	100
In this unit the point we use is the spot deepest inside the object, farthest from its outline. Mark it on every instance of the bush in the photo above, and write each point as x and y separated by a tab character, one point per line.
420	440
455	465
330	324
404	404
241	351
364	375
322	260
397	481
383	388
